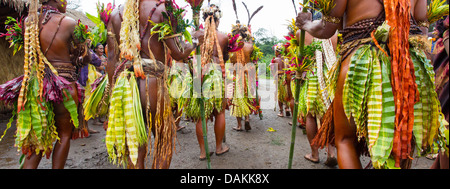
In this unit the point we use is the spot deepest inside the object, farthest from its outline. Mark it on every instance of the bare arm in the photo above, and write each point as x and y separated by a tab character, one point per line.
79	50
320	28
113	52
176	51
420	14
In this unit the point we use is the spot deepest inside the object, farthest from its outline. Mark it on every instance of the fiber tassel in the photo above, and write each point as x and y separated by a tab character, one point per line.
325	135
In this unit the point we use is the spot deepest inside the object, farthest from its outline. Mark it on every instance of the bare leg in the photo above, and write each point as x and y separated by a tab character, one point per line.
61	151
239	124
345	132
219	130
441	162
142	150
201	143
33	161
311	131
280	105
247	123
64	128
159	162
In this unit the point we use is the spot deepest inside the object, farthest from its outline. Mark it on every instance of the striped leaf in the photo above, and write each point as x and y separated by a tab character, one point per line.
313	91
429	105
383	145
119	123
34	110
72	107
375	102
137	112
356	88
130	123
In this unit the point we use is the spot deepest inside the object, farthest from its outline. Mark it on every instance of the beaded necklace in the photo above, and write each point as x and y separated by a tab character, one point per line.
47	10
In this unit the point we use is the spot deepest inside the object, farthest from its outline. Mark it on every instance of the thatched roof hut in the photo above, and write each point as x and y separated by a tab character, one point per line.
12	66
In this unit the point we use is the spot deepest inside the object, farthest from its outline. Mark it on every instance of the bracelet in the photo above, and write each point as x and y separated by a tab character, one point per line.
331	19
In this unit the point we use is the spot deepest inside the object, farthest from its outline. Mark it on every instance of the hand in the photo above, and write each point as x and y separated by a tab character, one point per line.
303	18
200	35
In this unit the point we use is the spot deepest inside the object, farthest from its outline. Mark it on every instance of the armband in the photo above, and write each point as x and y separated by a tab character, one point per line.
331	19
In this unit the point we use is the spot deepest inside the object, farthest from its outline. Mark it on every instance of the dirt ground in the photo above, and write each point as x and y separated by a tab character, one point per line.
256	149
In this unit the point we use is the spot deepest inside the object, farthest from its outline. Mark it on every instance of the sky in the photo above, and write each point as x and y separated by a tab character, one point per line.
273	17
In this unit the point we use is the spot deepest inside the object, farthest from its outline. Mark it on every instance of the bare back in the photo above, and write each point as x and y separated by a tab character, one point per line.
145	10
55	37
248	50
357	10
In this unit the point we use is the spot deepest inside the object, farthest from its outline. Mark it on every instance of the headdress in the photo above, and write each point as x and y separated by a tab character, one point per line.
243	31
279	47
212	10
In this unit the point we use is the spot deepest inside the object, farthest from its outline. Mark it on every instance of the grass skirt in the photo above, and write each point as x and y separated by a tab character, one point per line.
241	104
213	93
36	129
368	98
282	90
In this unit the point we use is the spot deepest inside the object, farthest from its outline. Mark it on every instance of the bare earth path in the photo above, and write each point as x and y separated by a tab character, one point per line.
256	149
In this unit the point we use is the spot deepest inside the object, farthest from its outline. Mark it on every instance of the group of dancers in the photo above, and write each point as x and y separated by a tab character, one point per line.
370	87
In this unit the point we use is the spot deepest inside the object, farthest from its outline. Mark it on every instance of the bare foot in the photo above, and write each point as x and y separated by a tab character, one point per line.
247	126
203	157
223	151
311	159
331	161
92	131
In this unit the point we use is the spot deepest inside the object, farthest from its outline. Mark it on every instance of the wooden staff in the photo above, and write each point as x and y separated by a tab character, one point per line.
298	82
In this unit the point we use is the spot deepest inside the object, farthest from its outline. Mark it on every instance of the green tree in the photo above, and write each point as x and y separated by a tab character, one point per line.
265	41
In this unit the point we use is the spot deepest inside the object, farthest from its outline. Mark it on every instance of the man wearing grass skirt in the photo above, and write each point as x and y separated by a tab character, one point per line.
384	96
47	104
214	54
145	55
241	104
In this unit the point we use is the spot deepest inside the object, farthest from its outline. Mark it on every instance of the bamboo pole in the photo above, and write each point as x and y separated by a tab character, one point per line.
298	82
196	18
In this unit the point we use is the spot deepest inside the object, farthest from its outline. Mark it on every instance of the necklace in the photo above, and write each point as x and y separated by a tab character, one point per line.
47	10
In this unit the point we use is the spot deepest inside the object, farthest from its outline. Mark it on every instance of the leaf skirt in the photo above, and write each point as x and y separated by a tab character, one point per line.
310	99
368	98
213	90
241	105
36	129
126	128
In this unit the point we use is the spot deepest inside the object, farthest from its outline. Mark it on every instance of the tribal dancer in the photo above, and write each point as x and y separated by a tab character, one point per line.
314	97
317	97
282	84
241	104
136	42
214	50
441	66
385	86
46	102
